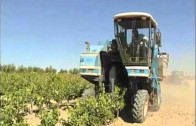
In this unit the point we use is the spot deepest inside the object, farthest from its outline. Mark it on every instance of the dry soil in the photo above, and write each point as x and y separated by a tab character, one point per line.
177	108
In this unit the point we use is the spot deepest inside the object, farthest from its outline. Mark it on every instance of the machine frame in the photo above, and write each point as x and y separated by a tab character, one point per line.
142	78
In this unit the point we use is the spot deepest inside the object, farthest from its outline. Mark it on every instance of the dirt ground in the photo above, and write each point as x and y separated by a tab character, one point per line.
177	109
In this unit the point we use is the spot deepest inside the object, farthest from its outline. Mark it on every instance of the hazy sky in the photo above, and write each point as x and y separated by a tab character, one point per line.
52	32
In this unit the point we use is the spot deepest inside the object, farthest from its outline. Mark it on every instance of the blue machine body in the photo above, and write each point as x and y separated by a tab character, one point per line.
147	72
90	64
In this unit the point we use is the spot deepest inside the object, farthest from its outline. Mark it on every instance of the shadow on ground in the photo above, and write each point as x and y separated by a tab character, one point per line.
125	114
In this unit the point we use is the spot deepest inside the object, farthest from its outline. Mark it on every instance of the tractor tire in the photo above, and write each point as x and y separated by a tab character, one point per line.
112	79
156	103
88	92
140	106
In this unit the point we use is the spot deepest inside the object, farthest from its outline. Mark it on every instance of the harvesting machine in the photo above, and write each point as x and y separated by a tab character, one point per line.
136	64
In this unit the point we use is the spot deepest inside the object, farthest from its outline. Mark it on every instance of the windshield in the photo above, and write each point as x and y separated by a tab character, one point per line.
133	39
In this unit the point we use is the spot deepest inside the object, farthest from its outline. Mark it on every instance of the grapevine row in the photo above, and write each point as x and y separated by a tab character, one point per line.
35	89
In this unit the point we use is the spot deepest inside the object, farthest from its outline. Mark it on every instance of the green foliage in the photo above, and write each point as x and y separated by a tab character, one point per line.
49	117
11	114
23	86
90	111
37	89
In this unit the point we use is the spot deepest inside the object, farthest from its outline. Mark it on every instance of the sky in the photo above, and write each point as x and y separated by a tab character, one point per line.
52	32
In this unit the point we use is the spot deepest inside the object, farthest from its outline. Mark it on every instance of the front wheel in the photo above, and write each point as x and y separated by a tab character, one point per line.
140	106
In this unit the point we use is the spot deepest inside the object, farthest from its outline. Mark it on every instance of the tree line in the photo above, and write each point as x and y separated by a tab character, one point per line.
8	68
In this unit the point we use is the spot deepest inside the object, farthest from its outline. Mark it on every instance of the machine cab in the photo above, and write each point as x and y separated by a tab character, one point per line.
135	33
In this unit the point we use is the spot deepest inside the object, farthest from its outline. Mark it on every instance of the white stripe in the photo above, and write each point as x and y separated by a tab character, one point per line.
90	67
135	14
138	75
137	67
89	54
94	74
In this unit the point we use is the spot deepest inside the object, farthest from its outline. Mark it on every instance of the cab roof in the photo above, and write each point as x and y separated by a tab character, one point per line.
136	15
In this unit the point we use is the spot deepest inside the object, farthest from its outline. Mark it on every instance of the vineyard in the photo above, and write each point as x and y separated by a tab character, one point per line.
22	92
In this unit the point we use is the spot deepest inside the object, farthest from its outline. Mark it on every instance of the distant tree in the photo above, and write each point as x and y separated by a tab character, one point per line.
75	71
4	68
38	70
30	69
62	71
35	69
21	69
0	68
50	70
10	68
41	70
70	71
46	70
65	71
54	70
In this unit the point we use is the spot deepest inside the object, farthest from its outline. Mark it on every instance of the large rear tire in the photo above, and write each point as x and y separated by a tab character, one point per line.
140	106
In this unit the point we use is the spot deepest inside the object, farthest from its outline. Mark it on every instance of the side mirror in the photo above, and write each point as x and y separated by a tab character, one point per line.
158	38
